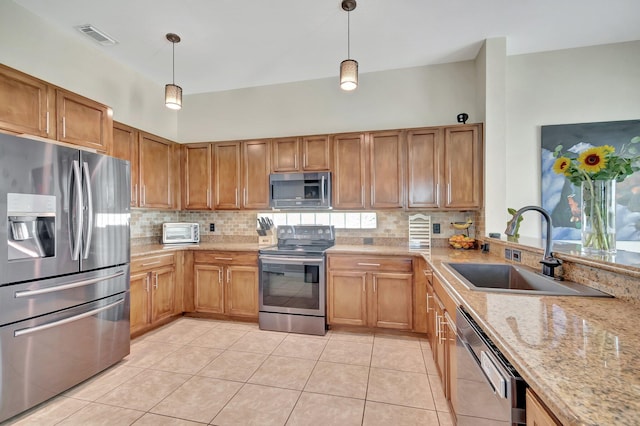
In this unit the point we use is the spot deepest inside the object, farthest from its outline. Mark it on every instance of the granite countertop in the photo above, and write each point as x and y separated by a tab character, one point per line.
149	249
581	355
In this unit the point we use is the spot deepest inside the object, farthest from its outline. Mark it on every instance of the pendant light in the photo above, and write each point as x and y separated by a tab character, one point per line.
172	92
348	67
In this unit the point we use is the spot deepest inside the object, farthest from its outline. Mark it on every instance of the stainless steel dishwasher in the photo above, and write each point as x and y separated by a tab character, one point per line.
488	391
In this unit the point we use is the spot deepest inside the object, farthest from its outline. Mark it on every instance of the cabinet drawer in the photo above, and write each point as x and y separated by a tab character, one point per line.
371	263
152	262
226	257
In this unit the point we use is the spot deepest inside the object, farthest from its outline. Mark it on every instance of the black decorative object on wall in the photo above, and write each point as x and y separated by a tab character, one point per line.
463	117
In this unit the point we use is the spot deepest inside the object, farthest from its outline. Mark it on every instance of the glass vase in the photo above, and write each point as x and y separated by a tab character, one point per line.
599	216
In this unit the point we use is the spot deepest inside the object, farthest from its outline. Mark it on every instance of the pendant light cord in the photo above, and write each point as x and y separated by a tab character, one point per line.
348	34
173	58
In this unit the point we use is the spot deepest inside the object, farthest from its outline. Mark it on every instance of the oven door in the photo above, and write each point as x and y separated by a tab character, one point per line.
292	285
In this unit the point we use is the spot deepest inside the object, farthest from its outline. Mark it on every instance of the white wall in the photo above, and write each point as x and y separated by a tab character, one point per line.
599	83
31	45
411	97
492	61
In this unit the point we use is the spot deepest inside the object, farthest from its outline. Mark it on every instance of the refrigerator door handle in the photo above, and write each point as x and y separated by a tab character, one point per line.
78	225
29	293
89	233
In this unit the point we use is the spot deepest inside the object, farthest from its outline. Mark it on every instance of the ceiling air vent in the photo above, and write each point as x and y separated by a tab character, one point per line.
96	35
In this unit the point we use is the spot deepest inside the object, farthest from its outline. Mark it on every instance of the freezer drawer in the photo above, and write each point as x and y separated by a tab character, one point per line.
28	300
45	356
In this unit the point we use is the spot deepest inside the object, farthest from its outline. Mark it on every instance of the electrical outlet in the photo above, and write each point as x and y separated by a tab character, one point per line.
507	254
436	228
212	227
516	255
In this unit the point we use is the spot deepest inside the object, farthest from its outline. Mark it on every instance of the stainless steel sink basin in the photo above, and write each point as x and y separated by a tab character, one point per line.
507	278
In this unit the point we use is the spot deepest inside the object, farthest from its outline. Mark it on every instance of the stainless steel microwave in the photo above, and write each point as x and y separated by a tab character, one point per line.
300	190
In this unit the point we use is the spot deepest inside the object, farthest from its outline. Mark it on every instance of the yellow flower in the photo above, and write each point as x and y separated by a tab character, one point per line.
592	160
608	149
561	165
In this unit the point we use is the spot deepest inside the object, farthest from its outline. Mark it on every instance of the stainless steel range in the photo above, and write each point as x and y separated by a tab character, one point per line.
292	280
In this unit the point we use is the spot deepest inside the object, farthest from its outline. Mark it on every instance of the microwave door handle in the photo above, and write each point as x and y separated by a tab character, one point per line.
76	226
322	189
89	233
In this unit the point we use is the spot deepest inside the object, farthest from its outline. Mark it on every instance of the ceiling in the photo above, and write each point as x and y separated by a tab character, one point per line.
231	44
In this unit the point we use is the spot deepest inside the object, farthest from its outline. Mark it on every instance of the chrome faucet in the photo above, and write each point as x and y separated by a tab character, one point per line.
549	263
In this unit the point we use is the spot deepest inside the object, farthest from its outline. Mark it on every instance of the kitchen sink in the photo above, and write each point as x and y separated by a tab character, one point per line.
507	278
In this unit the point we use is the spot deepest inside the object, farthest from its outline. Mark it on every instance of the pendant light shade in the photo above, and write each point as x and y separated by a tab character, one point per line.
348	67
173	96
348	74
173	92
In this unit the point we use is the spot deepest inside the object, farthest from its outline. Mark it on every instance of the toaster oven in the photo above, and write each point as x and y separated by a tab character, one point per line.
180	233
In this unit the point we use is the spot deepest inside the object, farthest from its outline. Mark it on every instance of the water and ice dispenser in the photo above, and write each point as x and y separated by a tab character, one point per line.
32	222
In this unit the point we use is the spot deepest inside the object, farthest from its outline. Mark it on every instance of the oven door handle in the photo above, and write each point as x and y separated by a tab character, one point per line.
291	260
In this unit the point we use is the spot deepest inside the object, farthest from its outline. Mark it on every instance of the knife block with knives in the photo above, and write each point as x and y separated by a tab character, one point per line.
265	230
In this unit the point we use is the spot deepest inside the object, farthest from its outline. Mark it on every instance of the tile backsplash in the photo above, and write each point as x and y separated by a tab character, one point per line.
393	226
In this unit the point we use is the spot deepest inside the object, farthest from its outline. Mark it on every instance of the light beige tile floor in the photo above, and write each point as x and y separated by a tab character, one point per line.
196	371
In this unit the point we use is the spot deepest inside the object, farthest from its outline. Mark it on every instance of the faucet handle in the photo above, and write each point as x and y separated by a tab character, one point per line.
549	264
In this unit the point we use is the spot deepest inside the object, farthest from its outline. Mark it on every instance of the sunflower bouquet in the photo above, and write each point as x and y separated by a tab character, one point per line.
596	170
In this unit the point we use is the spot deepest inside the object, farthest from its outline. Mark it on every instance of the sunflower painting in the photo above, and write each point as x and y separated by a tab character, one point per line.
591	143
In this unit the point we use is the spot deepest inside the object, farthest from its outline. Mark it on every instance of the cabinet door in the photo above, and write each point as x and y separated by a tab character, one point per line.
25	105
316	153
423	168
125	146
347	298
242	291
163	293
463	167
256	168
391	300
156	169
420	272
440	341
452	365
431	316
197	177
226	175
84	122
537	413
385	170
209	288
139	296
349	172
285	155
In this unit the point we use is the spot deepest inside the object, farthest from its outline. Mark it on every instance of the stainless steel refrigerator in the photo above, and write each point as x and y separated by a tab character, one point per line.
64	268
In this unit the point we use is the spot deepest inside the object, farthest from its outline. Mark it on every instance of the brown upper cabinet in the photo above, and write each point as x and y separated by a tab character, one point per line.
81	121
300	154
27	105
241	175
445	167
463	171
159	163
197	183
32	106
125	146
368	170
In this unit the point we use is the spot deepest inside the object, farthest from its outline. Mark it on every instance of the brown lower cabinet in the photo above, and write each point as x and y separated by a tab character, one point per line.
441	325
226	283
374	291
537	413
153	292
